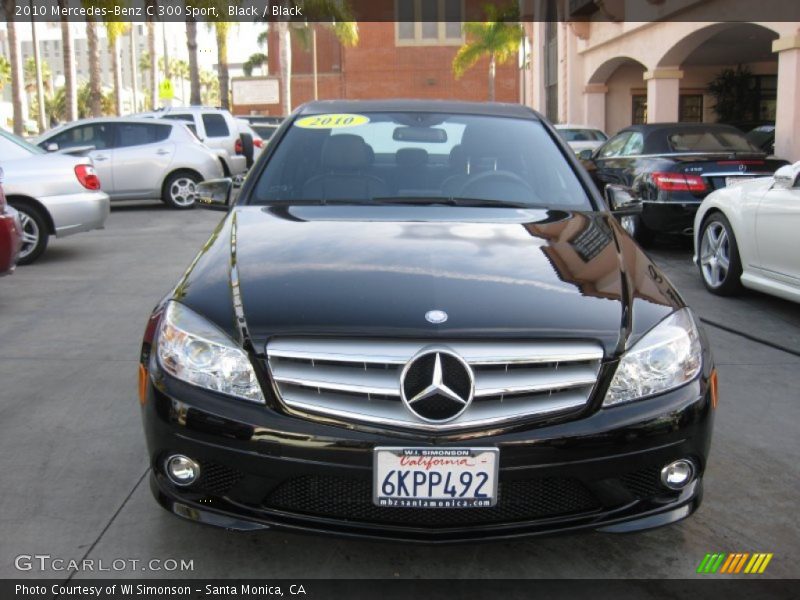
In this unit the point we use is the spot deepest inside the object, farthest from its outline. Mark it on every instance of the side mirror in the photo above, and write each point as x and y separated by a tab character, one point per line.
585	154
785	177
51	147
622	200
215	194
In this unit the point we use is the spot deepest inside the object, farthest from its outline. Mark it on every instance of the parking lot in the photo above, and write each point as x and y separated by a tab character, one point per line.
74	463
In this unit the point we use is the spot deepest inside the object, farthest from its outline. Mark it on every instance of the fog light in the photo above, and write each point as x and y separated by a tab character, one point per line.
677	475
182	470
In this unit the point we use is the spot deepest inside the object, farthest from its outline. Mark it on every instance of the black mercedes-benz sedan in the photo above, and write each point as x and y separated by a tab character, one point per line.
419	321
672	167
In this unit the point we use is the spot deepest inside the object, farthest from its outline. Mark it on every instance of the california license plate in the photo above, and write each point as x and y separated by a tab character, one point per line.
732	181
435	477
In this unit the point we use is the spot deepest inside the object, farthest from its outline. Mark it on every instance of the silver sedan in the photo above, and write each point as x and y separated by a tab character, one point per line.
55	194
139	158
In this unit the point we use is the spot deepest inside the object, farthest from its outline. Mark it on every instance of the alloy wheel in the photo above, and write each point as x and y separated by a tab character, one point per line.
30	234
715	254
183	191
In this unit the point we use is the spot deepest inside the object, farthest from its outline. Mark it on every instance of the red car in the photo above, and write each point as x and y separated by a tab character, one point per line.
10	234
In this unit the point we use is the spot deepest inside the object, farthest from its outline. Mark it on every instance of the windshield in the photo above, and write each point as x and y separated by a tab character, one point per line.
373	157
13	147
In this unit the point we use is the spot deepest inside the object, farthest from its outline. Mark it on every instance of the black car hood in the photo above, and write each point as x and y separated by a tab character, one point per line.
377	271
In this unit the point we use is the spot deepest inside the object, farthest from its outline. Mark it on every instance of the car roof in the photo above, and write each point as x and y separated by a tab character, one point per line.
496	109
651	127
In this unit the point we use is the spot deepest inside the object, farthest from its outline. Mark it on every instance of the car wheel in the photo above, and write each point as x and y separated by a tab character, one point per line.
636	229
180	190
34	233
720	264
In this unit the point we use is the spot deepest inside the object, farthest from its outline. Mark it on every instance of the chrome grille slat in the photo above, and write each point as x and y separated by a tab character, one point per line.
359	379
342	379
398	352
532	380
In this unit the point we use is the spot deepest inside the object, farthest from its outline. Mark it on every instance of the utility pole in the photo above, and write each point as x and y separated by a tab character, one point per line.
166	59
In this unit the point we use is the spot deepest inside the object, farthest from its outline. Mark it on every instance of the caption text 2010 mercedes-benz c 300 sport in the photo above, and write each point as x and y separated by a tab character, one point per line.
419	320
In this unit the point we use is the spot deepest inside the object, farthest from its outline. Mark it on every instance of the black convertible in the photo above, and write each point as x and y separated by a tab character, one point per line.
672	167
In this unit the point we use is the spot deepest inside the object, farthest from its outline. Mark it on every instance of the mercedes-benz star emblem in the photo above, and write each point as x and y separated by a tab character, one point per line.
436	316
437	385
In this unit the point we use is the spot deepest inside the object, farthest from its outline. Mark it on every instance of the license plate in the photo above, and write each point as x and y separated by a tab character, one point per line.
732	181
435	477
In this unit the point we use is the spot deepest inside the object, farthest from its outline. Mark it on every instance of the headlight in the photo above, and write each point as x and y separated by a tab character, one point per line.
667	357
197	352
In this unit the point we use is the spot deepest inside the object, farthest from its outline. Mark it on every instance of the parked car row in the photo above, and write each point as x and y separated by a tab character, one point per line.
139	158
55	194
671	167
746	236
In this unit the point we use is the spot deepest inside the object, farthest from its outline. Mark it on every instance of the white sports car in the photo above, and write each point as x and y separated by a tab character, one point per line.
748	235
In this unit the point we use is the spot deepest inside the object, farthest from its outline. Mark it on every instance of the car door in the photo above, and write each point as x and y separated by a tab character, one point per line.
608	162
100	136
777	227
143	155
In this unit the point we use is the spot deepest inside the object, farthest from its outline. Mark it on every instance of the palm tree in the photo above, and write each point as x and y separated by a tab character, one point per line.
70	89
95	89
209	86
332	14
30	74
498	37
15	60
194	69
114	30
180	69
221	29
256	61
285	60
5	72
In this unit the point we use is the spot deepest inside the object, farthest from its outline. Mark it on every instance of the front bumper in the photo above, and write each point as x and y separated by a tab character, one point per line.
263	469
74	213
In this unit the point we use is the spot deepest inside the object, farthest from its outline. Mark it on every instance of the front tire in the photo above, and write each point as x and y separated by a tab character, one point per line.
720	264
180	190
35	234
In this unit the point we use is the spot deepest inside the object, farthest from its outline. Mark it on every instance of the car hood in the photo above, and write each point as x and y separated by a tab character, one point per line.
377	271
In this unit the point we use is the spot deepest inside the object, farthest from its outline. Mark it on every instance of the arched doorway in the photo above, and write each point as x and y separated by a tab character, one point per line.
737	58
618	84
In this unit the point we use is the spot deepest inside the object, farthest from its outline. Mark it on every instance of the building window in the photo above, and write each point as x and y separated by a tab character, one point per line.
429	22
639	109
690	108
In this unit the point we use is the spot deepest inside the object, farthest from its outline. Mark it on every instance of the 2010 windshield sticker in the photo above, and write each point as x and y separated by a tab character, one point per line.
333	121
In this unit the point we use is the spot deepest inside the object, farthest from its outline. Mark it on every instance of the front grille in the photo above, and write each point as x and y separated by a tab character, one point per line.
644	483
351	499
217	479
359	380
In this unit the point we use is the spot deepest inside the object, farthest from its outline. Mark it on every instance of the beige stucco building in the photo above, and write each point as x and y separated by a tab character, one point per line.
611	63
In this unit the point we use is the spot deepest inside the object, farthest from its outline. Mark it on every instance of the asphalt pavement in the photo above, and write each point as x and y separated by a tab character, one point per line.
74	465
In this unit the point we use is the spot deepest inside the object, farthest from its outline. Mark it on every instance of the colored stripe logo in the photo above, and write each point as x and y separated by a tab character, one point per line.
735	562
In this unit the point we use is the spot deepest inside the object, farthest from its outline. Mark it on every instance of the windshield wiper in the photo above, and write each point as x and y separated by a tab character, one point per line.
451	201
